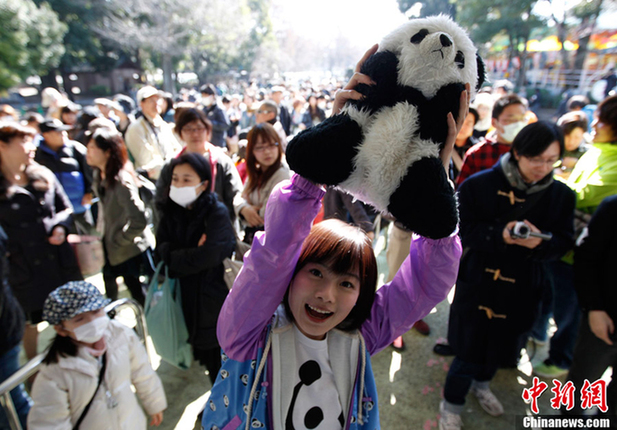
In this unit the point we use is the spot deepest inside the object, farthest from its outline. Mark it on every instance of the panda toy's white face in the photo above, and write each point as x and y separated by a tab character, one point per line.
432	52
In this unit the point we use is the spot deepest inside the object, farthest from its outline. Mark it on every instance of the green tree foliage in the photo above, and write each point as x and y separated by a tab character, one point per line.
84	48
30	40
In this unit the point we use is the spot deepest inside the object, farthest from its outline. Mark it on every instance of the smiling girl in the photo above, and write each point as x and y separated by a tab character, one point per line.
303	317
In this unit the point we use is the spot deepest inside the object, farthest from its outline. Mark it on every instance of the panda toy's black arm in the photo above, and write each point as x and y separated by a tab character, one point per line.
324	153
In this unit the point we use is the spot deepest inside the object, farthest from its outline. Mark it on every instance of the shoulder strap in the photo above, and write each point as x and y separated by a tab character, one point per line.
85	411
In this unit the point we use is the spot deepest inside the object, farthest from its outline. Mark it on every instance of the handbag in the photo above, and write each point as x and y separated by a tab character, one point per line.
88	250
165	320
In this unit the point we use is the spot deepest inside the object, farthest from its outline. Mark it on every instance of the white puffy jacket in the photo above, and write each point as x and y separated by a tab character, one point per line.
62	390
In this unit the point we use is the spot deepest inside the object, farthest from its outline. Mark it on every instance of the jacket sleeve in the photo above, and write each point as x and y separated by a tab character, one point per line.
477	232
219	120
147	383
268	267
220	241
561	227
232	184
51	410
162	185
423	280
590	258
63	209
86	171
134	211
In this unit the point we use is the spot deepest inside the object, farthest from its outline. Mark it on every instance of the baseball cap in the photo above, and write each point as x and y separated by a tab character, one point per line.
71	299
53	125
145	92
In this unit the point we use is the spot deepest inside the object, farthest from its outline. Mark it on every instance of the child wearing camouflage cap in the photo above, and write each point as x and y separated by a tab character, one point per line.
85	380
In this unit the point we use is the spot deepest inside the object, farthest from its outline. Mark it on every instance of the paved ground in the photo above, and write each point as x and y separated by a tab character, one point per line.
409	383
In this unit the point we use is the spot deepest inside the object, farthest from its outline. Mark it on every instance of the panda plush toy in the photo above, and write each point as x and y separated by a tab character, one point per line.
384	149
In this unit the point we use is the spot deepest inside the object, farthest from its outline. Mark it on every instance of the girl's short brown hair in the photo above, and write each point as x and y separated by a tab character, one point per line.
343	248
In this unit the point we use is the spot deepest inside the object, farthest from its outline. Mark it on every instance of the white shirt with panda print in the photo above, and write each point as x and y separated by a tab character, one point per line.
315	403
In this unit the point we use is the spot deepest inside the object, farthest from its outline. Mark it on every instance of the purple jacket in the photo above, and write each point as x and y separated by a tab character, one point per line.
424	279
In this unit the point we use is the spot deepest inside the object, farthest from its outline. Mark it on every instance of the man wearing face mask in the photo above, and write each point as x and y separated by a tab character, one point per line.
216	115
508	119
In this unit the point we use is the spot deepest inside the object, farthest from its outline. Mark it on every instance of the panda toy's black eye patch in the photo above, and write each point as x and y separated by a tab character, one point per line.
419	36
460	60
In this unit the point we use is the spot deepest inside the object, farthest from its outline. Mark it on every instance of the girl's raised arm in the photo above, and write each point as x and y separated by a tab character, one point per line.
268	267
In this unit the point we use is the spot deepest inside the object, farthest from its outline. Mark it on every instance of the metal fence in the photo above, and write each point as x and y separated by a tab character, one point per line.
33	365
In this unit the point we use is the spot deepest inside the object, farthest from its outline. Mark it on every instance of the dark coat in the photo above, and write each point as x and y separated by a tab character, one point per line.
515	291
70	167
594	261
199	269
28	215
220	124
11	314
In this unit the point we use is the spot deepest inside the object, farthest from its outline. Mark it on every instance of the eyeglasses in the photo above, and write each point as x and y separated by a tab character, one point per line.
193	129
537	161
263	112
262	148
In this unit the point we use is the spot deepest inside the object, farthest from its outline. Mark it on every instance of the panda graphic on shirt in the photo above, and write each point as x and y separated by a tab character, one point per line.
315	403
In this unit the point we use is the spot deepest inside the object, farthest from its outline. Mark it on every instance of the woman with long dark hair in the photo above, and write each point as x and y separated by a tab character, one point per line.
194	236
35	213
313	114
127	239
266	168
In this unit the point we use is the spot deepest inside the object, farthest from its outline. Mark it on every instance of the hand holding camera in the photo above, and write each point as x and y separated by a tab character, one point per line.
524	233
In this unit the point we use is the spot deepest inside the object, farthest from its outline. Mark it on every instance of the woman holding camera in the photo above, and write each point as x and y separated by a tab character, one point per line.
502	274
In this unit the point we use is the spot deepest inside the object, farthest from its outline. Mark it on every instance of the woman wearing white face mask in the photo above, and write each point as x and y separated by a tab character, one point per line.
127	239
194	236
85	381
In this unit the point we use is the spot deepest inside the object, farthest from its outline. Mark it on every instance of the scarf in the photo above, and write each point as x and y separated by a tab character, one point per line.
513	175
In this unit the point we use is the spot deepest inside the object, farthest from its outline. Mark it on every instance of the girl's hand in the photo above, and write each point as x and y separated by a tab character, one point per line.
251	215
454	127
156	419
58	236
348	92
601	325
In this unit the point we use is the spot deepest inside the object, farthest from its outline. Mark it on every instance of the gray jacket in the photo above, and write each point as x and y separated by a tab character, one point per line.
122	218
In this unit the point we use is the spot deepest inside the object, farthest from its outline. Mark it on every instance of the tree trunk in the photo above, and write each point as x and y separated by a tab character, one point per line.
522	78
168	82
49	80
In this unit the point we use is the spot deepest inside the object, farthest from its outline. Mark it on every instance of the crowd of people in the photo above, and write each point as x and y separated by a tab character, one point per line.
185	182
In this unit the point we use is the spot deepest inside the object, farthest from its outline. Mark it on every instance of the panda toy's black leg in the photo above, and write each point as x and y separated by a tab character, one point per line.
325	153
425	181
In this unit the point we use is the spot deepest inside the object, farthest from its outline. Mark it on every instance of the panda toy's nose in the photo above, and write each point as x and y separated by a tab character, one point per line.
445	41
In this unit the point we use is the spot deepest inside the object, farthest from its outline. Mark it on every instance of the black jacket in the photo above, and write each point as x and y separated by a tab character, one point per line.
70	167
199	269
594	261
507	279
11	314
220	124
28	215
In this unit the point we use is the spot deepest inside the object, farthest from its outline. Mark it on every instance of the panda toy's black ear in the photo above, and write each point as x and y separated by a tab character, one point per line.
481	72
